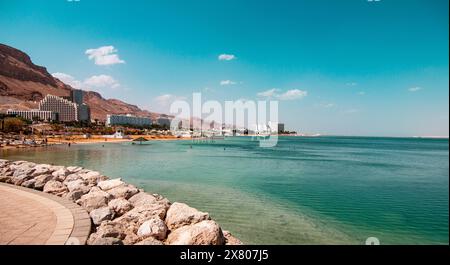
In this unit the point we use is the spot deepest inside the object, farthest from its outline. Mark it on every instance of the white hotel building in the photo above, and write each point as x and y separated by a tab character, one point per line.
112	120
67	110
35	114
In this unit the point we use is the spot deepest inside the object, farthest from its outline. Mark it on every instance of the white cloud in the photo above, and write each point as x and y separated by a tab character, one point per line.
326	105
268	93
351	84
93	82
414	89
226	57
293	94
105	55
361	93
227	83
166	99
69	80
101	81
288	95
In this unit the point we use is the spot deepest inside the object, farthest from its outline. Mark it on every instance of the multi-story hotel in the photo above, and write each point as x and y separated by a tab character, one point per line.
35	114
164	121
280	128
67	110
128	119
84	112
54	108
76	96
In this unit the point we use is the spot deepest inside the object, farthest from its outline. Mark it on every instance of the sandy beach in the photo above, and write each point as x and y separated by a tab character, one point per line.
78	139
95	139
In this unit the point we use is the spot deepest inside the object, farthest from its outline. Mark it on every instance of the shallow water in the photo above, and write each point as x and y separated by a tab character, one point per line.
322	190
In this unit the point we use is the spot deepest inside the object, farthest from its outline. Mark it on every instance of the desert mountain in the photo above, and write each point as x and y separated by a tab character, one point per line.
23	84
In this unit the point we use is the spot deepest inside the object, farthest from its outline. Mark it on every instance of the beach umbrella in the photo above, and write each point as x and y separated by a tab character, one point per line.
140	140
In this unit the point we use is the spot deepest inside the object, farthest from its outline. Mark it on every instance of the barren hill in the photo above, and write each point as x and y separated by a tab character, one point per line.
23	84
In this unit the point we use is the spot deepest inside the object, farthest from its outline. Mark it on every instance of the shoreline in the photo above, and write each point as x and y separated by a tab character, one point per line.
120	213
97	139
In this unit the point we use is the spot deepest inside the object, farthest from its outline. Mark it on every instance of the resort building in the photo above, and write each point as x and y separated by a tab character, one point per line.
164	121
35	114
67	110
280	127
112	120
76	96
84	113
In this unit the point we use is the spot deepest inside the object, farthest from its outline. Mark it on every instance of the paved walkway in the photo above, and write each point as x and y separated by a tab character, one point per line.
30	217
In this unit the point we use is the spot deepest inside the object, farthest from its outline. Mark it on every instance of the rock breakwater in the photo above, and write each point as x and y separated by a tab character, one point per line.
121	213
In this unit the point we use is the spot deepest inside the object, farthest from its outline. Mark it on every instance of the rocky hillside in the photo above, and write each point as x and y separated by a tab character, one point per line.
23	84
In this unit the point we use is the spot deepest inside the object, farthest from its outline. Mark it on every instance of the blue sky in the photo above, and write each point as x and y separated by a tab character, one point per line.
349	67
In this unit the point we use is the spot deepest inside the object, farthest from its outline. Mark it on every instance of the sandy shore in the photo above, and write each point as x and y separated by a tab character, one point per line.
95	139
99	139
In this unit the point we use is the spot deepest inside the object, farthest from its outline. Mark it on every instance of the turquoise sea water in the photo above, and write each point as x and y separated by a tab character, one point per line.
321	190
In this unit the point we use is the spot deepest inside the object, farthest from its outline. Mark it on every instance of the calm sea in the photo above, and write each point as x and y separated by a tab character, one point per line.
321	190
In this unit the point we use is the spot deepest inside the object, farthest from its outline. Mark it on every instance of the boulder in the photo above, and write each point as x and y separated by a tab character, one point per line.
130	230
131	238
4	178
29	183
120	230
78	185
92	177
150	241
56	188
41	170
6	171
180	214
19	179
205	232
120	206
41	181
74	169
108	229
72	177
94	199
142	198
74	195
109	184
140	214
20	162
106	241
23	169
155	227
60	174
123	191
101	214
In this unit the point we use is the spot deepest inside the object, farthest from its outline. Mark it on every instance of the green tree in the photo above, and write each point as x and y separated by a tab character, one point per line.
13	125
